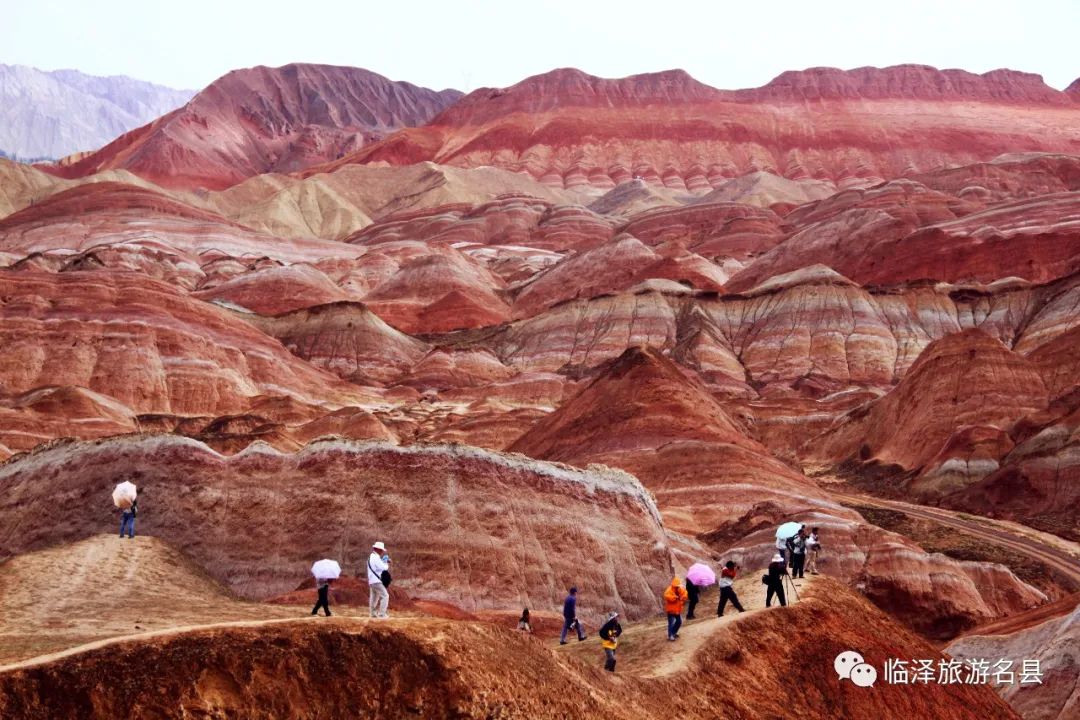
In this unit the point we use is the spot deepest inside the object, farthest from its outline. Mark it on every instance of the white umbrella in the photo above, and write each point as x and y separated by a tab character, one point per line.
326	570
787	530
124	495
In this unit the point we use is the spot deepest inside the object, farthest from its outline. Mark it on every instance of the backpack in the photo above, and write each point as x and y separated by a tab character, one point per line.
765	579
384	576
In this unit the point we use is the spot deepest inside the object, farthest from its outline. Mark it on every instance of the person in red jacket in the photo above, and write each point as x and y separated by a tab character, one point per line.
674	598
727	589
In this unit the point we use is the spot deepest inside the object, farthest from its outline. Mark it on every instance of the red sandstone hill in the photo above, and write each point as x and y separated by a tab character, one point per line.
916	82
477	529
961	380
143	343
571	129
640	398
262	119
112	218
976	427
762	664
903	232
1037	482
1053	643
644	415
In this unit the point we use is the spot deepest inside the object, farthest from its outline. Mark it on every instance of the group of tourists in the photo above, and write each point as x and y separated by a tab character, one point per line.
802	549
799	552
378	577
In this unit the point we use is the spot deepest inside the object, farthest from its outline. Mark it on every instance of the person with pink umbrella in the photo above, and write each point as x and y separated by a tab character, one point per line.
698	576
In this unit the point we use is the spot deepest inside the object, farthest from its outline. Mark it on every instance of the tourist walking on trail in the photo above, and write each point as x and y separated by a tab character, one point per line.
524	624
127	519
774	580
727	588
323	584
693	592
570	621
674	597
798	553
813	546
378	577
609	639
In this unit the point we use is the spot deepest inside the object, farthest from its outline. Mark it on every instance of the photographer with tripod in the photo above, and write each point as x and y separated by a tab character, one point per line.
774	581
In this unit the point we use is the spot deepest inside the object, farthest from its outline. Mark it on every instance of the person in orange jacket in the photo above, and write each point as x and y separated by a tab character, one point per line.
674	597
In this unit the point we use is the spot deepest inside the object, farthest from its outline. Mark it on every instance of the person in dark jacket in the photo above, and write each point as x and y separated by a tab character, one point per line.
774	582
127	519
324	597
798	553
570	621
609	639
525	622
727	588
693	592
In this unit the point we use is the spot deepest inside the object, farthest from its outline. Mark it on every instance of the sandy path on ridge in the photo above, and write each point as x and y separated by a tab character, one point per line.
104	587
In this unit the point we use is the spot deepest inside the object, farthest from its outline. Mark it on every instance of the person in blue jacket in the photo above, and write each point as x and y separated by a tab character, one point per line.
570	621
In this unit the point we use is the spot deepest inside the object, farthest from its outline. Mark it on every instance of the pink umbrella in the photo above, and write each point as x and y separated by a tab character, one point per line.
701	575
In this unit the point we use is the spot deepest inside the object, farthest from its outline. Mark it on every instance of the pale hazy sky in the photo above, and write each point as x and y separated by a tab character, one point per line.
438	44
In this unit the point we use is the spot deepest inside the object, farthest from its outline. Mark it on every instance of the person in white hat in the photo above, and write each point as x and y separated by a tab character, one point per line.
774	581
378	577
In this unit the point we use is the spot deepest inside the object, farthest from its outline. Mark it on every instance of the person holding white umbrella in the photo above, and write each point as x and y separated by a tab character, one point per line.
378	575
323	601
325	572
783	534
126	499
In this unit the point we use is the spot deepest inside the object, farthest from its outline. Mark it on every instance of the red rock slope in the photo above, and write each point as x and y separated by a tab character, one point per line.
904	232
144	344
111	217
571	129
477	529
962	380
264	119
1054	644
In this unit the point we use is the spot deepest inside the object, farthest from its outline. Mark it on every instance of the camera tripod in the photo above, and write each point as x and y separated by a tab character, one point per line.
791	584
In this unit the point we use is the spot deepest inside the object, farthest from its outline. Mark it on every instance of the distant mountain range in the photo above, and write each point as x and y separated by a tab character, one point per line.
54	114
258	120
564	128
